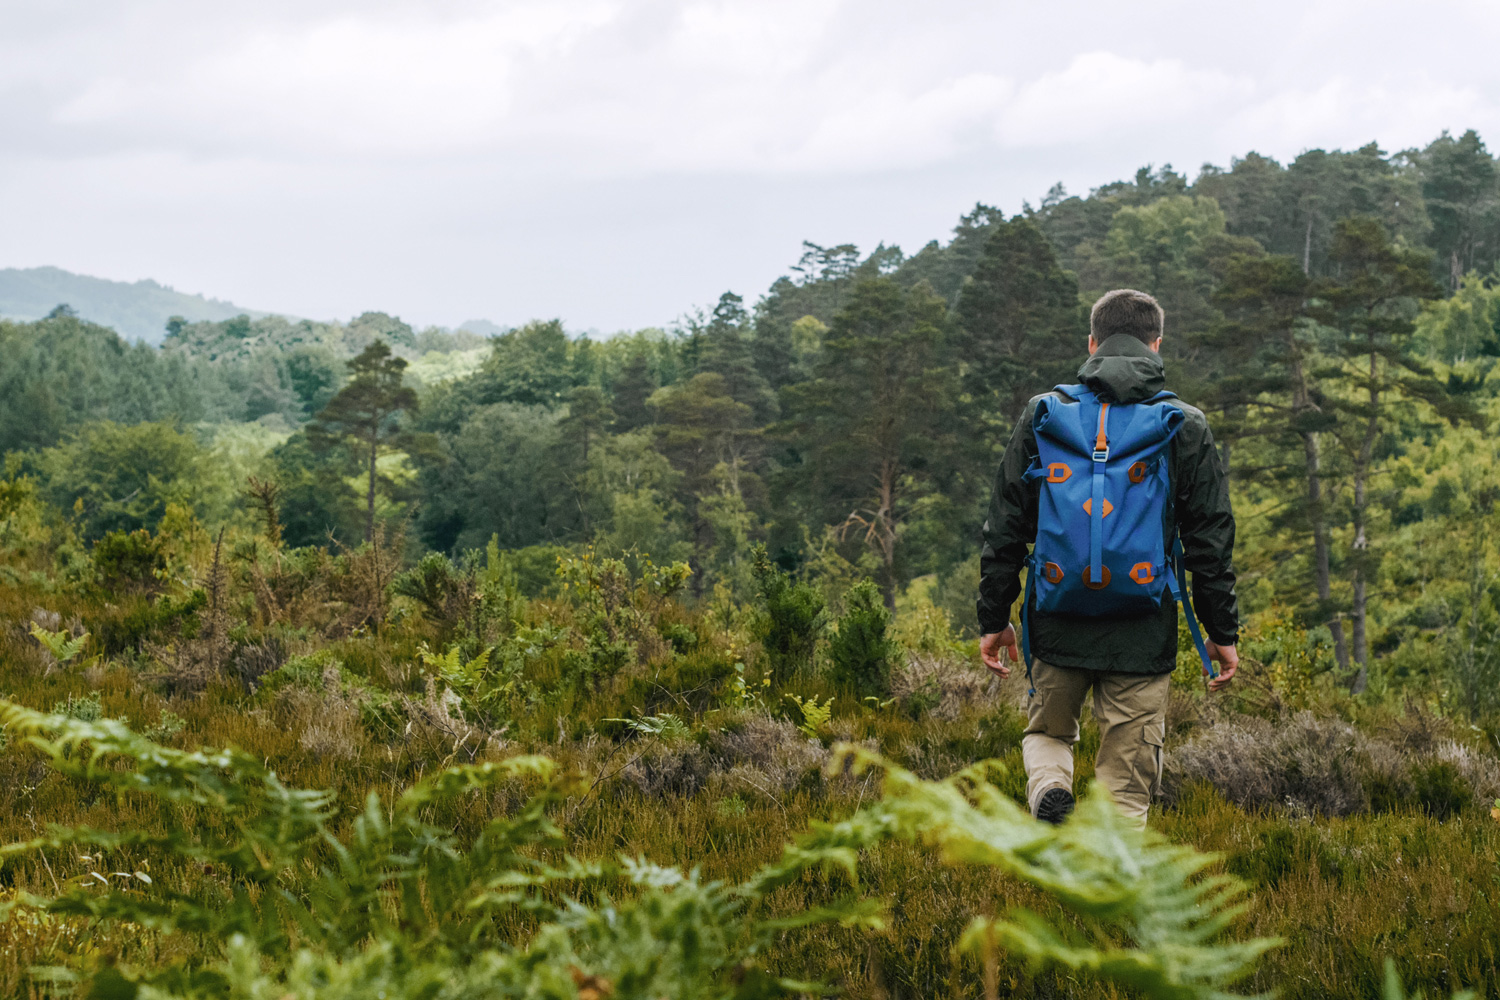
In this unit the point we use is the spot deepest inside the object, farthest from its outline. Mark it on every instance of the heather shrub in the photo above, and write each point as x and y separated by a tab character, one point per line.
1324	766
252	661
751	754
940	683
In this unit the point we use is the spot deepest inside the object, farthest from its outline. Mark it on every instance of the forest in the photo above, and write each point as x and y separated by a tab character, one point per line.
349	659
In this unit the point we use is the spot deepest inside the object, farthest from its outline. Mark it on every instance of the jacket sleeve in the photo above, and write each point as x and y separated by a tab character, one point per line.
1206	522
1009	529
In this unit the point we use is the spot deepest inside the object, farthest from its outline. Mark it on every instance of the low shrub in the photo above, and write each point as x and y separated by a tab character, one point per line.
942	684
1324	766
860	653
129	561
791	620
752	754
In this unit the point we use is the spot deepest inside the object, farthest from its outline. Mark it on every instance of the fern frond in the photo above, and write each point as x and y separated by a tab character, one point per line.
1161	921
61	645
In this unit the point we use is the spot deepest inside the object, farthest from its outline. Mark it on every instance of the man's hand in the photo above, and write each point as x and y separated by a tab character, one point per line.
998	650
1229	662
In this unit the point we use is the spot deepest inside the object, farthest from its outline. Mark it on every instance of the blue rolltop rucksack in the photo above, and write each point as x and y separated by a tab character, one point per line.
1101	547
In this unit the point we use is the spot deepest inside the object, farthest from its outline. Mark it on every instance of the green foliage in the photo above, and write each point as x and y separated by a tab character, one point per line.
1295	657
860	653
792	618
138	620
61	373
166	728
620	609
1147	917
501	478
1465	326
487	682
440	896
460	598
123	478
88	708
129	560
527	366
317	503
877	421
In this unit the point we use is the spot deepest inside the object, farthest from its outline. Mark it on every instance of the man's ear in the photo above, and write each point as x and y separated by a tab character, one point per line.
1156	345
1093	344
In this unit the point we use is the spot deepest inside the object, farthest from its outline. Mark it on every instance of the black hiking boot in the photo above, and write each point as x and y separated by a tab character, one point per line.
1055	805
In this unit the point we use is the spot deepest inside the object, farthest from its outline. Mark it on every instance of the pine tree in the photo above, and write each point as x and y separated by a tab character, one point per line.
632	388
1274	392
727	353
366	413
875	427
1370	304
589	417
1461	185
1020	326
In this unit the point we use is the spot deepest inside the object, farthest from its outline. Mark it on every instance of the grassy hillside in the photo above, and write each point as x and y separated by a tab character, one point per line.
137	310
685	734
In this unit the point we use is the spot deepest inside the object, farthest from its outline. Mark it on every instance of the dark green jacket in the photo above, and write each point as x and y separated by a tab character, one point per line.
1123	370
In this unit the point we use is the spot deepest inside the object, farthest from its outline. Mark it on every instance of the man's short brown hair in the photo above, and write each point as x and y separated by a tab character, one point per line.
1126	310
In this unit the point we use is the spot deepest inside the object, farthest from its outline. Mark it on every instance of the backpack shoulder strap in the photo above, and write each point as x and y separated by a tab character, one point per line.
1075	391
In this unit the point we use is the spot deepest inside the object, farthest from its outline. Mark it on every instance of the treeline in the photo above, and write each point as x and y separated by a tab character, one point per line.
62	372
1337	316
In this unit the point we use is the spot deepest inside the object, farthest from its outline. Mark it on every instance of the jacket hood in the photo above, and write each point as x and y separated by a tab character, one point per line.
1124	370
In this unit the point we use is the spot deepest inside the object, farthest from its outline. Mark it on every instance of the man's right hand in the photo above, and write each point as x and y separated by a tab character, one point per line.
1229	661
998	650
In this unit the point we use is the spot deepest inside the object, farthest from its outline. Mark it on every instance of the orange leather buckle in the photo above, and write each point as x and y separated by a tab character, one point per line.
1058	472
1103	572
1137	472
1088	506
1053	572
1143	573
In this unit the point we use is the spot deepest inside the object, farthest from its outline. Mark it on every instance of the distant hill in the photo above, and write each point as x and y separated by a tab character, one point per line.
137	310
483	327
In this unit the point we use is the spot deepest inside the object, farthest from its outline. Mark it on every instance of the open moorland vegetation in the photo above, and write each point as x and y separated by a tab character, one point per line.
346	660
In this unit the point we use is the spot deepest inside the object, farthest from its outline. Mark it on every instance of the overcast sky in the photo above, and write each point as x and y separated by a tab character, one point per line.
615	162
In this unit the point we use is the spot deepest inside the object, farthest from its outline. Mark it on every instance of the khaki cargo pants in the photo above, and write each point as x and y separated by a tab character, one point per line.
1131	710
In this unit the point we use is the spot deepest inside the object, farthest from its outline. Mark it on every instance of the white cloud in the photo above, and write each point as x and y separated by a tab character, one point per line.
1398	111
1101	95
405	85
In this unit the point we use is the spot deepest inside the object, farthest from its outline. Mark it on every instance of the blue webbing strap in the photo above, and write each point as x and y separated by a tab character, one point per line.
1177	584
1096	514
1026	624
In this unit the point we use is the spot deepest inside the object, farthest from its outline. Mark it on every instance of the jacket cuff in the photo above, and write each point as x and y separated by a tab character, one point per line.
988	625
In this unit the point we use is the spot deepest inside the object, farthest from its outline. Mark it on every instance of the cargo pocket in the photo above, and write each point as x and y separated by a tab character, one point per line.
1155	738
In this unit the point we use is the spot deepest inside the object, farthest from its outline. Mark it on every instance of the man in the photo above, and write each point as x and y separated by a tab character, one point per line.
1126	660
